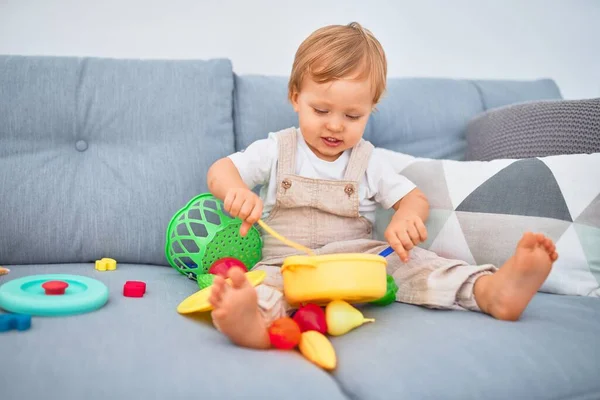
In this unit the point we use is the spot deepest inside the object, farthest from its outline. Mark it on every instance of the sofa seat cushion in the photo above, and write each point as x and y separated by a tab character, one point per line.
411	352
141	348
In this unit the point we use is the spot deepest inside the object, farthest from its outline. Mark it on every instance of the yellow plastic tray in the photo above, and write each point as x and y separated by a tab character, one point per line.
352	277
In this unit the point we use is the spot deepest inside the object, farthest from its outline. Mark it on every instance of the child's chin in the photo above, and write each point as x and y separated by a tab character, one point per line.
331	153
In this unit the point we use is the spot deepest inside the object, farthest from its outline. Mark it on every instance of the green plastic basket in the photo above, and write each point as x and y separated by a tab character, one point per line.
201	233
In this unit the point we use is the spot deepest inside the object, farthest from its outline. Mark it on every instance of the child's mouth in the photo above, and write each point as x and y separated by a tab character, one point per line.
331	142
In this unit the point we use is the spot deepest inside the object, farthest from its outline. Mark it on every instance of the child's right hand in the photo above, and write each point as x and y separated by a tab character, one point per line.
244	204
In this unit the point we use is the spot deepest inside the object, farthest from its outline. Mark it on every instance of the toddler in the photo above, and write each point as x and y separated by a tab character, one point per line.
321	186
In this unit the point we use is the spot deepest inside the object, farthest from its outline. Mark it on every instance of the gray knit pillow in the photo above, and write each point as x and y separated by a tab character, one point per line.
535	129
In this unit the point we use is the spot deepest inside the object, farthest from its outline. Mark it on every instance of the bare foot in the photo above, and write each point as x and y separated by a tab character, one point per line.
505	294
236	311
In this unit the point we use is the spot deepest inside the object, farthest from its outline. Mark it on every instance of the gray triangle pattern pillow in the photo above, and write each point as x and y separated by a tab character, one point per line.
480	209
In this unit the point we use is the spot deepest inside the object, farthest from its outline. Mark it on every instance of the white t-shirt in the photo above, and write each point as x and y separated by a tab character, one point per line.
257	165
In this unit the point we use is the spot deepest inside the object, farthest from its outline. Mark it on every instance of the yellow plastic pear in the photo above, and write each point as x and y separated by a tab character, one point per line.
342	318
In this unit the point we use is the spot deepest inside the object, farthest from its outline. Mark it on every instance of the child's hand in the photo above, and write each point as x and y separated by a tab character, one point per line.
244	204
405	232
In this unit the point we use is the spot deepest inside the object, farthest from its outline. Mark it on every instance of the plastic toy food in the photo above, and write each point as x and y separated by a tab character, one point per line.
223	265
318	349
4	271
311	317
284	333
342	318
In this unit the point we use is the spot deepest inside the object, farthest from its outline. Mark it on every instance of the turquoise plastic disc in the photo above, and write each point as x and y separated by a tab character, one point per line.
26	295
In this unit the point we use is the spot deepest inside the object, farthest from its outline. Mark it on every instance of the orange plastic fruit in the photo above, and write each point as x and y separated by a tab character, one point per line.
284	333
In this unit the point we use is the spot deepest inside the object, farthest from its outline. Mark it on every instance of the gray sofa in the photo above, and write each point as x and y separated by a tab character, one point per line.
96	156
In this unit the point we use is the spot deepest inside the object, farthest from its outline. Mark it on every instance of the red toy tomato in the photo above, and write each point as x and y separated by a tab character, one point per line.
223	265
284	333
311	317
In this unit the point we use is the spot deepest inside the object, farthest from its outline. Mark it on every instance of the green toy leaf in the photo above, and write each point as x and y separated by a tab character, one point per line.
205	280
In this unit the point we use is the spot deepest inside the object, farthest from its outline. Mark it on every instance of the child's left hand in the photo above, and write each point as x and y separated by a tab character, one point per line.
405	232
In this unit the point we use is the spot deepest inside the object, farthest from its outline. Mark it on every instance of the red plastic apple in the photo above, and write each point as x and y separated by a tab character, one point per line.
284	333
311	317
223	265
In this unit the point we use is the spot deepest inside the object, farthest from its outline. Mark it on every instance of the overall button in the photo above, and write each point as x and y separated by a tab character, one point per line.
286	183
81	145
349	189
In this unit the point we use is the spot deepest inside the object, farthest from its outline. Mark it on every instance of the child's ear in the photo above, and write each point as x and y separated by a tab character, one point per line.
294	100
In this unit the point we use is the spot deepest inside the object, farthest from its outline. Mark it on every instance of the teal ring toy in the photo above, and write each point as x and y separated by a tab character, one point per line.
26	295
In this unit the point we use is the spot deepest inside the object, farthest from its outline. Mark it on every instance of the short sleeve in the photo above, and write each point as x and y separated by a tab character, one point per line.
256	161
385	185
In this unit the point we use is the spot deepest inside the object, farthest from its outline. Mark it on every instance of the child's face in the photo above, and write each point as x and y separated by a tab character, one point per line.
333	115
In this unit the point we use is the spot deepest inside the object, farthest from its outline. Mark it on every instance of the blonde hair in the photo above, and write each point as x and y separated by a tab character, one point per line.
340	51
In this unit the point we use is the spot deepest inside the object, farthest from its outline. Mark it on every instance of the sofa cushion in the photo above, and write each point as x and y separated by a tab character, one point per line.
535	129
423	117
96	155
141	348
260	106
479	211
410	352
497	93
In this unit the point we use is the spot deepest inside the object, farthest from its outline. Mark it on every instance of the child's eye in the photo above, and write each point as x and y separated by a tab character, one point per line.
354	117
320	111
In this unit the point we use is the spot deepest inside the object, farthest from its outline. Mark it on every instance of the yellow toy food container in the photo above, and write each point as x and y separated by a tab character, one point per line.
354	278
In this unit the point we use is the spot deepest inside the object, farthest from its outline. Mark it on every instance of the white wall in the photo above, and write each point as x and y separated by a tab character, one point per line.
511	39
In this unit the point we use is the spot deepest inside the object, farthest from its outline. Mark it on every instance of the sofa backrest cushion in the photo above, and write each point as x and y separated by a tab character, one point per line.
97	155
422	117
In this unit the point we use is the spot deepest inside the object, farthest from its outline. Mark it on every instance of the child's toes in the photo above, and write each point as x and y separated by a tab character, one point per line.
541	239
549	245
215	300
216	293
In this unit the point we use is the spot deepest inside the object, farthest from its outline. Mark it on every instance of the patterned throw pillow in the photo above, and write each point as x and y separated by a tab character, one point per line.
535	129
480	209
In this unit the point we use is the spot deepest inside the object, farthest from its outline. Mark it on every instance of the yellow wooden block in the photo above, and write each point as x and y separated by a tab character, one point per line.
106	264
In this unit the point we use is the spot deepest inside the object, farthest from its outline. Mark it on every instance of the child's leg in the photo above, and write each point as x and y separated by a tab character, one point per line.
242	312
435	282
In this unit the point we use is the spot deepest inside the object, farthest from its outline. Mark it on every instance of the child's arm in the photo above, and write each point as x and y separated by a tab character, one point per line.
223	176
407	228
225	183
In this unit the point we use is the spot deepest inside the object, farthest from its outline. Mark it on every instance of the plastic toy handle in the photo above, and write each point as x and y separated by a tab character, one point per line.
295	245
387	252
305	264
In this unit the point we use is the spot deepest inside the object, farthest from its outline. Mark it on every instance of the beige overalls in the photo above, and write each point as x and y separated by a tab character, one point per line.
323	215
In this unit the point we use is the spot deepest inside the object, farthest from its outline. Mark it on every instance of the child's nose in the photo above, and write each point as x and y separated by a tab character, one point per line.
334	124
